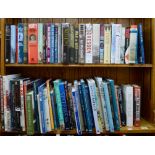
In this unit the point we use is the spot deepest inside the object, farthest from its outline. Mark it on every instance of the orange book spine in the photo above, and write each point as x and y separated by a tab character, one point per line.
33	43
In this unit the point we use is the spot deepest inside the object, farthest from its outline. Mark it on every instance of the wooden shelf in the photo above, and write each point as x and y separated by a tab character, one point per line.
79	65
146	128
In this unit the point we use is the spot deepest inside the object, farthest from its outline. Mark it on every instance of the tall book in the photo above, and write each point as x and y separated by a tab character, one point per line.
59	43
56	43
7	43
107	43
48	45
71	45
20	43
136	105
32	43
76	42
25	43
1	103
127	44
96	43
133	44
82	32
88	44
44	42
101	52
141	54
40	42
13	44
122	52
52	43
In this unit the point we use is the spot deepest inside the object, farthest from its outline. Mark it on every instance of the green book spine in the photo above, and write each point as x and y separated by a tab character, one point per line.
59	105
29	114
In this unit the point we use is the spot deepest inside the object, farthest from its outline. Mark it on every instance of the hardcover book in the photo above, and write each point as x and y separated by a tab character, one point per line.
52	44
76	42
127	43
25	43
101	52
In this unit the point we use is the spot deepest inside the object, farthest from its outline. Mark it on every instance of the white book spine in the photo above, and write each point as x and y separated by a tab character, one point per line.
89	41
118	43
22	115
129	106
113	43
40	42
96	43
94	105
122	53
47	114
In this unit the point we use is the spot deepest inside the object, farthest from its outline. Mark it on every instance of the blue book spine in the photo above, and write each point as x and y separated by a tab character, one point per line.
52	44
109	112
56	44
113	43
141	55
101	43
42	110
116	118
20	43
13	44
64	105
77	117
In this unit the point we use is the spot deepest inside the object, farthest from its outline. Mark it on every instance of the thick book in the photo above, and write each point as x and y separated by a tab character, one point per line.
25	43
141	54
13	44
107	43
127	44
82	32
40	42
71	45
56	43
76	42
52	43
133	44
65	29
20	43
136	105
96	43
89	44
101	51
32	43
7	43
48	44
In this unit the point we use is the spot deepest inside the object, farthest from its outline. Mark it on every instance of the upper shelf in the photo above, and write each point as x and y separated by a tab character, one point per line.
79	65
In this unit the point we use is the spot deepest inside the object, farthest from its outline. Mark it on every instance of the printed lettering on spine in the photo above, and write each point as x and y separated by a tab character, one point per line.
52	43
25	43
44	42
56	43
88	46
122	52
101	53
76	42
127	44
81	43
48	47
33	43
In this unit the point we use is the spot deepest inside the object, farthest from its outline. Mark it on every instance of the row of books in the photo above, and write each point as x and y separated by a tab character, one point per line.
67	43
41	106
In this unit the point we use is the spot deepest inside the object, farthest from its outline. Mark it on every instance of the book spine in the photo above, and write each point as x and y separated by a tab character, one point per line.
137	105
122	52
82	33
33	43
94	106
59	43
118	43
56	43
141	55
44	42
29	111
13	44
107	43
25	43
71	45
101	51
113	43
7	43
96	43
64	106
20	43
1	103
48	47
59	105
88	44
52	43
109	111
133	44
40	43
76	42
66	43
127	43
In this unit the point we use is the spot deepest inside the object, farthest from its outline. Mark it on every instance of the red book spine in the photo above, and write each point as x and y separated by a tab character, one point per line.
137	104
33	43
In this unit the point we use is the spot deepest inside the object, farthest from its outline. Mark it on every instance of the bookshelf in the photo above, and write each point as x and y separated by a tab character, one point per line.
141	74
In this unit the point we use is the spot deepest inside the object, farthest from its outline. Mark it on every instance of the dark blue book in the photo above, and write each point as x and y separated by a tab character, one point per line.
20	43
56	44
141	55
52	43
114	105
64	105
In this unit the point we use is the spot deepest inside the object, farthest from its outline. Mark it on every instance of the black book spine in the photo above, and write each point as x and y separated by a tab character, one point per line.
44	42
66	44
7	43
76	42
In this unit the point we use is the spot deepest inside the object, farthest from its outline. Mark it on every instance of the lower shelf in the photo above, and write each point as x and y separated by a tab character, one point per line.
145	128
